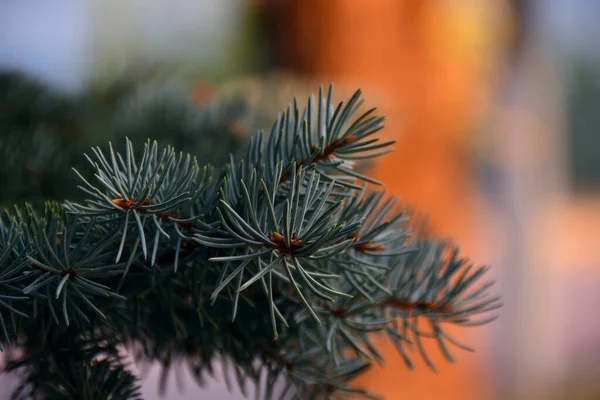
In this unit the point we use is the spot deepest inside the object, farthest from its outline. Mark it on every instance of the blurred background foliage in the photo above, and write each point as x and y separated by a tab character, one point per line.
583	123
45	132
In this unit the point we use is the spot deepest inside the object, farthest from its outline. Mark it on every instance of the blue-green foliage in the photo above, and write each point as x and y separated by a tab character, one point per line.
282	264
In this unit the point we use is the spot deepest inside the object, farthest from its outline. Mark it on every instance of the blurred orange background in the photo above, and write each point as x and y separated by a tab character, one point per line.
428	64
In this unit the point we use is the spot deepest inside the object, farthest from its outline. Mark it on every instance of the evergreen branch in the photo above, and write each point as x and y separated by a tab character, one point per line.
200	264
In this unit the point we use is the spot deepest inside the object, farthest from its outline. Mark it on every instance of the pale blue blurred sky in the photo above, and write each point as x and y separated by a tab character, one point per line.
67	41
50	39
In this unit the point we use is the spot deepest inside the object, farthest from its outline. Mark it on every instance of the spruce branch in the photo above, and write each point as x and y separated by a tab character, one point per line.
282	264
